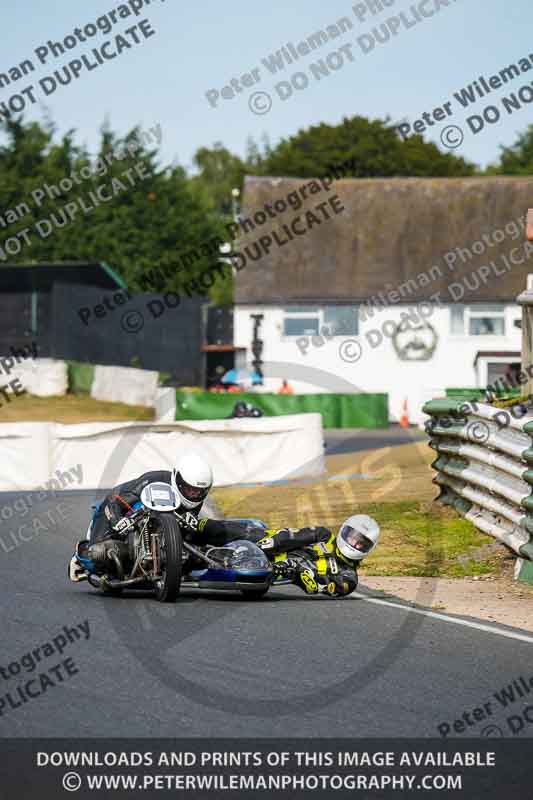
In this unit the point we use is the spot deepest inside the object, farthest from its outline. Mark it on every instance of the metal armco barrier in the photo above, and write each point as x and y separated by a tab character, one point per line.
484	467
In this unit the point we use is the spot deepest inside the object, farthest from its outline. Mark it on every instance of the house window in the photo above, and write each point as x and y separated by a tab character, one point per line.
479	320
301	322
341	320
328	320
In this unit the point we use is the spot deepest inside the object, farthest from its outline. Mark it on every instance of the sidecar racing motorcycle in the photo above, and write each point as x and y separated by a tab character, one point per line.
153	554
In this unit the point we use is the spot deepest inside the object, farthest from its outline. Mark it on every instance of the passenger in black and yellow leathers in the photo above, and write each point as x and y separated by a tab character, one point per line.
317	560
314	558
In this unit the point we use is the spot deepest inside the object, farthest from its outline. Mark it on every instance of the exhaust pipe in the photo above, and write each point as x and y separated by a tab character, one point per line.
112	583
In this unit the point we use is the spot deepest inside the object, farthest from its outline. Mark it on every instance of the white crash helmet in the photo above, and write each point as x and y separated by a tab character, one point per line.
192	478
357	537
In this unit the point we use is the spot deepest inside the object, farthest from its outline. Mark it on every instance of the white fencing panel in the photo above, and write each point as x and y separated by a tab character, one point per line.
101	455
25	455
134	387
42	377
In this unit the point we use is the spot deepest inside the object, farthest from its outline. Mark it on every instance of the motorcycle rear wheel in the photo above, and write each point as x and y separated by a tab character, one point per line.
170	552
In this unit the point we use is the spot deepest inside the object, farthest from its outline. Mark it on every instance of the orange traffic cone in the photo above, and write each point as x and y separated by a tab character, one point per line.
404	419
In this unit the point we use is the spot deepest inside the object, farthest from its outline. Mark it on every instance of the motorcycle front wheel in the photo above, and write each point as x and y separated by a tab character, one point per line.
170	554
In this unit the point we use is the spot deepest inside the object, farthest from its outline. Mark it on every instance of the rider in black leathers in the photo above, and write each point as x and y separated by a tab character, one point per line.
116	505
192	479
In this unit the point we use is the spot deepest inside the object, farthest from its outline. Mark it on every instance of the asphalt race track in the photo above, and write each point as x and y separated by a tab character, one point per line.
218	665
342	440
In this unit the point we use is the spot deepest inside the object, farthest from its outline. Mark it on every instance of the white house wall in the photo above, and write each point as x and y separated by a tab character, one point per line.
379	368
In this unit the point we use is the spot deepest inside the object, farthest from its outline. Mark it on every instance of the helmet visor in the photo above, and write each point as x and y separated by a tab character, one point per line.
193	493
356	539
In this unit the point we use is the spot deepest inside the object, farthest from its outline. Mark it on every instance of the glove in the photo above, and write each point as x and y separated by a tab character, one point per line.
292	567
286	569
279	540
279	571
267	543
190	521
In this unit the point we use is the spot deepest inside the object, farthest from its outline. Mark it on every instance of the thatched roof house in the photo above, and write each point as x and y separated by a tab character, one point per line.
392	231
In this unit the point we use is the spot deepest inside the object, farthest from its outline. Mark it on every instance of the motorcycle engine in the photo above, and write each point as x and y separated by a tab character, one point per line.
105	555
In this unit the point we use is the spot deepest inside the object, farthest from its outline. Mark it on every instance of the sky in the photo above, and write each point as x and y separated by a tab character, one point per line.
197	48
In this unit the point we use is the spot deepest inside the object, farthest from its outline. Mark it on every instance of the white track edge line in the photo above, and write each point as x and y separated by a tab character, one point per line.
445	618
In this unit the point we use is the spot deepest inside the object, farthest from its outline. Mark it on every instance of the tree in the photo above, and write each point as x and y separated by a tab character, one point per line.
220	172
127	210
517	159
375	146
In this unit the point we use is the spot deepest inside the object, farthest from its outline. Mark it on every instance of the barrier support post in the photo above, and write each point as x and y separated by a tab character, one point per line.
526	301
524	568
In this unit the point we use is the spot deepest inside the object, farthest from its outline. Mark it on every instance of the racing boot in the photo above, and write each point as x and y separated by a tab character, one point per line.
80	565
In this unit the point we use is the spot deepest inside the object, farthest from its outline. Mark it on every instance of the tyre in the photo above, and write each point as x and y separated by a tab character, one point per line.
254	594
170	553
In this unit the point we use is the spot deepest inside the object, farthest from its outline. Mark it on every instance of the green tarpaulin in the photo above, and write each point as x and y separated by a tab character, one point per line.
80	377
338	410
479	394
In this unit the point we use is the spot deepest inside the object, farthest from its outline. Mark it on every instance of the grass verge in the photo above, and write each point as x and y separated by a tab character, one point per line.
419	537
70	409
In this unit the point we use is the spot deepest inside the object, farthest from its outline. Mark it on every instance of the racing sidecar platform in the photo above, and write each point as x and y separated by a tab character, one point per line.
237	566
